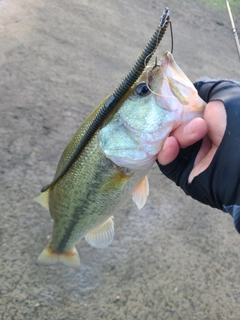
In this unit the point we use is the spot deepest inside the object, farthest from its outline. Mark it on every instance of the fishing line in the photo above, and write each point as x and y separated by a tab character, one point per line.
118	94
156	64
171	36
171	32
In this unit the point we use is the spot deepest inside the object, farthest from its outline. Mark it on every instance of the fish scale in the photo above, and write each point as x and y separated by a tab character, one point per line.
87	199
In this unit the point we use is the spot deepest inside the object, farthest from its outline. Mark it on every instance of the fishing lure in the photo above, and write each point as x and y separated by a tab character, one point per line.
113	100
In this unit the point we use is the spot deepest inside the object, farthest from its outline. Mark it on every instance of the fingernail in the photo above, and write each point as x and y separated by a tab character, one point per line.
189	128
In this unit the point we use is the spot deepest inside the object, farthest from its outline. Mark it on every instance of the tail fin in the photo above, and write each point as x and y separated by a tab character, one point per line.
70	259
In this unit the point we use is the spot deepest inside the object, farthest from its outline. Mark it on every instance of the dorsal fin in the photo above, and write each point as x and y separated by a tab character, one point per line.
43	199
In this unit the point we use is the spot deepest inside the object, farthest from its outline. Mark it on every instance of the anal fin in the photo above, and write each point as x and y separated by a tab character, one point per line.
102	236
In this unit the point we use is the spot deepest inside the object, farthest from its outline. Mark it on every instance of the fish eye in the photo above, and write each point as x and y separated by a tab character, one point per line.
142	89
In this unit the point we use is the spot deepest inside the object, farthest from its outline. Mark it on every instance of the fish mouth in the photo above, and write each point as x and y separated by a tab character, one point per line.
171	87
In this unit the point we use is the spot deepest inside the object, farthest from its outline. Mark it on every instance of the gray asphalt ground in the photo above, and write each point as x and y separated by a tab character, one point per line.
175	259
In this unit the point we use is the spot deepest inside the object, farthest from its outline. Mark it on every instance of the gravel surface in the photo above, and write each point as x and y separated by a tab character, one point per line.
175	259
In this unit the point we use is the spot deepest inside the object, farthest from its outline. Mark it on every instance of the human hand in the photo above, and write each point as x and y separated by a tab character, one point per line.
189	133
203	156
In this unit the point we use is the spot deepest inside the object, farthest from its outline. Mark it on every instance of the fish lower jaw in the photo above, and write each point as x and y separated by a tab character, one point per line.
187	116
134	164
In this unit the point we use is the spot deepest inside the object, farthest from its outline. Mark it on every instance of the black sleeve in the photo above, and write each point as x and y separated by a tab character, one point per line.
219	185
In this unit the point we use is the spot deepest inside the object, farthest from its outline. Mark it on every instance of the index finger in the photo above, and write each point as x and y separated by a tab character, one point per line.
188	134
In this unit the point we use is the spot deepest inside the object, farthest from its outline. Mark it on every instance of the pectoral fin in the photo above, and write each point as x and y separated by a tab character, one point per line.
141	193
70	259
102	236
43	199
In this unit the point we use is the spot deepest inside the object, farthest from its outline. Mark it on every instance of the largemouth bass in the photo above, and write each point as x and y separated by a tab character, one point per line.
114	164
